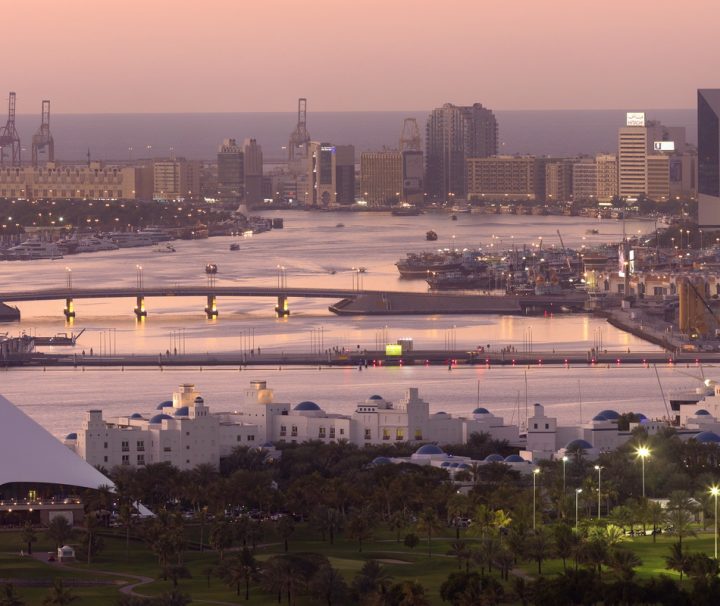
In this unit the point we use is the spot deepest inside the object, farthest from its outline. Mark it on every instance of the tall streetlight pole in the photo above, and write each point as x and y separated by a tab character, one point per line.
643	452
564	462
69	278
139	276
599	469
577	494
714	491
535	475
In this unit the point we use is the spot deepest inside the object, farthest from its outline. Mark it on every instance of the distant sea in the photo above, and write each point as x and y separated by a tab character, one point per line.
196	136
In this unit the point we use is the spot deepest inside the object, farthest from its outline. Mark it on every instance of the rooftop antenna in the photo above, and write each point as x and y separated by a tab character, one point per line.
43	139
9	136
88	156
410	135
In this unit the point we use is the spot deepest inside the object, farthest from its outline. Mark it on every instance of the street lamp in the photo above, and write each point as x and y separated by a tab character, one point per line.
599	470
643	452
564	462
139	276
577	494
714	491
535	475
69	278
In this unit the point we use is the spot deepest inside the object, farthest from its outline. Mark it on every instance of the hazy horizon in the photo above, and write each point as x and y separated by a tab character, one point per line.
174	56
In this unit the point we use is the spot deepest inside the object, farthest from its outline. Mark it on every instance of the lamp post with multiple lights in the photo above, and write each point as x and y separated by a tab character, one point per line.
599	469
715	491
577	495
643	452
535	475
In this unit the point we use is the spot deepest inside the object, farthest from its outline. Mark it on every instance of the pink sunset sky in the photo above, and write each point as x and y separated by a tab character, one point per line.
242	55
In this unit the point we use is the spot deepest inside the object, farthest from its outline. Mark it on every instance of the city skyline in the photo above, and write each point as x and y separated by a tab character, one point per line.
623	56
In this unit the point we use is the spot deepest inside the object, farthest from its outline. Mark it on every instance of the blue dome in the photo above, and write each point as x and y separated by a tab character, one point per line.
381	461
599	418
183	411
307	406
160	418
136	415
441	412
267	445
199	400
375	397
463	466
454	464
514	459
640	416
579	444
707	436
494	458
165	404
445	464
430	449
481	411
702	412
71	436
610	415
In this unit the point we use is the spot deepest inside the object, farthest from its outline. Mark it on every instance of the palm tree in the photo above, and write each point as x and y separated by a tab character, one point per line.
173	598
329	585
92	542
59	595
428	522
462	552
504	560
539	546
412	594
655	515
623	563
359	528
565	542
175	572
8	597
523	590
677	560
285	528
372	577
680	509
274	573
28	536
397	522
59	530
221	536
240	569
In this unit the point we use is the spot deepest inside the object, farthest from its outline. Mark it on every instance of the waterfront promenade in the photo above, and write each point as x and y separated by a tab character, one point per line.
368	359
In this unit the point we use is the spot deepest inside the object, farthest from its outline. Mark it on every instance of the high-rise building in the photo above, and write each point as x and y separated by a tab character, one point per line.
344	174
708	160
632	156
454	134
413	172
658	177
330	175
381	177
607	176
231	172
558	180
508	178
176	179
253	171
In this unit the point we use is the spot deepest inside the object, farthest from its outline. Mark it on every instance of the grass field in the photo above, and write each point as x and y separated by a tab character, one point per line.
401	563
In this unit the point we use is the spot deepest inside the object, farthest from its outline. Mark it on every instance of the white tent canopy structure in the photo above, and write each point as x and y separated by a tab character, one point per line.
31	454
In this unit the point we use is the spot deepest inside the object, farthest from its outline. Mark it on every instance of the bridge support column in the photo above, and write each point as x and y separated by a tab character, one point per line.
281	309
69	310
211	309
140	310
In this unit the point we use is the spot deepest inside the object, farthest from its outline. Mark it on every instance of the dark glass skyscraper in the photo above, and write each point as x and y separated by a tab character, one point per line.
709	157
455	133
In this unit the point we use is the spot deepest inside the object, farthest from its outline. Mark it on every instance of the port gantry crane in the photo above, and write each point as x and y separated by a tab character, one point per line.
300	137
43	139
410	136
9	136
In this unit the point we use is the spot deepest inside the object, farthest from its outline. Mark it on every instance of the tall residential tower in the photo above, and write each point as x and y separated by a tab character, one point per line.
709	157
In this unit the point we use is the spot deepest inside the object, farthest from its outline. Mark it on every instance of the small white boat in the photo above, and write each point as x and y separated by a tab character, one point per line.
164	248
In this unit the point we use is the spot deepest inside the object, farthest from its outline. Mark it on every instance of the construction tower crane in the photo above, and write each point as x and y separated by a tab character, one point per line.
9	136
410	136
565	252
43	139
300	137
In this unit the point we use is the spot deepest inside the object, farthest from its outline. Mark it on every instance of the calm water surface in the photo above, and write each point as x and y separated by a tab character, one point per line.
311	248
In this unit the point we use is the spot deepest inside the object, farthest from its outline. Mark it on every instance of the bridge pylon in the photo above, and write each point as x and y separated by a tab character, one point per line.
211	309
69	309
140	311
282	310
